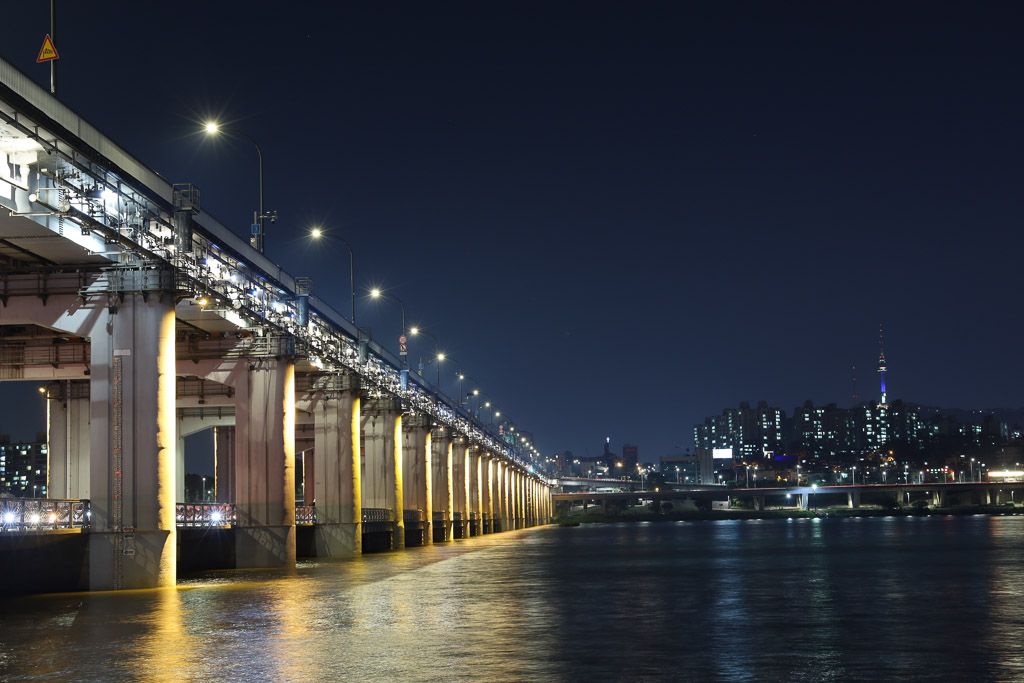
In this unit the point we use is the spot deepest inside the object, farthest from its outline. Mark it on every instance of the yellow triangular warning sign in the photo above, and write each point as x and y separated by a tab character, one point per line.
48	52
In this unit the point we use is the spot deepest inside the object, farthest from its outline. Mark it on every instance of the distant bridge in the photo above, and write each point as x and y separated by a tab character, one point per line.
150	320
802	497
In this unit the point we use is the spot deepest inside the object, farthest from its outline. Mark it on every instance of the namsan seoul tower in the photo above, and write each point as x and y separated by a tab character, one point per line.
881	361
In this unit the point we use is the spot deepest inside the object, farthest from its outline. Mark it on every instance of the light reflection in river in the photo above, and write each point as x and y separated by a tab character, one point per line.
808	600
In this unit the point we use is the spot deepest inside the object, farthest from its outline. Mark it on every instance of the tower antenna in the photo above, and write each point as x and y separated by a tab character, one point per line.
881	362
853	379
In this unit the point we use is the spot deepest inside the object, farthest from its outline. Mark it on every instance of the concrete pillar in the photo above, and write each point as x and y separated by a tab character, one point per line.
460	487
473	470
487	467
67	440
938	499
224	464
520	518
441	484
804	501
382	463
132	539
179	469
510	496
853	499
337	479
503	494
307	456
528	490
759	503
416	471
497	523
988	496
265	465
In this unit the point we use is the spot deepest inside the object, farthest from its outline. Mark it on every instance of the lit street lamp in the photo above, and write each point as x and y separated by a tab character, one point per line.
317	234
256	239
403	351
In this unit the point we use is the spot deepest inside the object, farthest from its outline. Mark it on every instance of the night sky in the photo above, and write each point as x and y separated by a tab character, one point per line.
618	218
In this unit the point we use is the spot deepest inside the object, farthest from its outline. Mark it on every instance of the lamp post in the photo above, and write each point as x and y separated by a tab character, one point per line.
415	331
376	293
256	239
317	233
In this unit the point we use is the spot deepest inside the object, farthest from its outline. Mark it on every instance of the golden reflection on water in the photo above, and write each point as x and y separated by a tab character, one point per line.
806	600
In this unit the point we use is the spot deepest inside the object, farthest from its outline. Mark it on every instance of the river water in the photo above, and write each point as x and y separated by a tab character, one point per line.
798	600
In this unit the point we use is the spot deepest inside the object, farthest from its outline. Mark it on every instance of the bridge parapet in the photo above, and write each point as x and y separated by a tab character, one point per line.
43	514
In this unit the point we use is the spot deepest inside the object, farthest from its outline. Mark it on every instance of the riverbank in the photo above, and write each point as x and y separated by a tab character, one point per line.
644	514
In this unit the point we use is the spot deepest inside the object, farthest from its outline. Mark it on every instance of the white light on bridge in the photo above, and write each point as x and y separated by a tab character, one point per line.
8	518
216	516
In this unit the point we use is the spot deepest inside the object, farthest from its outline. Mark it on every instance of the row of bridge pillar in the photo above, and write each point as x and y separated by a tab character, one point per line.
115	440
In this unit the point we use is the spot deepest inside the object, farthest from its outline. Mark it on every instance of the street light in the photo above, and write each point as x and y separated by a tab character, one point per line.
317	233
256	239
376	293
415	331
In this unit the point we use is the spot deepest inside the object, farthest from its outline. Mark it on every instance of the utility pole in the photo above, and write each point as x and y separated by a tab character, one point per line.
53	37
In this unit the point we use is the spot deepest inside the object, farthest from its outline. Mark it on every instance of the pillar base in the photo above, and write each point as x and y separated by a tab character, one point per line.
338	540
398	537
264	547
148	559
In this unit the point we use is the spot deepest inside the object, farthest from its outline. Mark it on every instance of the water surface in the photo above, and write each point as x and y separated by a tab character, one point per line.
807	600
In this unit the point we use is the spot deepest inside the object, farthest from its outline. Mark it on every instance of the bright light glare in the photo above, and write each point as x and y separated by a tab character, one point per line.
375	293
316	233
33	518
211	127
440	356
414	330
216	516
8	518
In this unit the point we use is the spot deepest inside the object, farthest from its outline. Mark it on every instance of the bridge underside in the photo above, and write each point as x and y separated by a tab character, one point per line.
147	322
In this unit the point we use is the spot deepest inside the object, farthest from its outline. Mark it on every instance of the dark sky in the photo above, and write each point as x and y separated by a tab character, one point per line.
619	217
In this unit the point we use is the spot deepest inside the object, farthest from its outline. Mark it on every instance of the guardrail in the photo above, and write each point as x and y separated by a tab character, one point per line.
305	515
205	515
377	515
43	514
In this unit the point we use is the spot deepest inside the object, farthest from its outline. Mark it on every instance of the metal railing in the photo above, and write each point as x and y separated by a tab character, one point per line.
43	514
205	515
377	515
305	515
413	517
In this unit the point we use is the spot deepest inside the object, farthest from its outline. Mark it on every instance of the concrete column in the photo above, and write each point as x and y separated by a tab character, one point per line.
337	486
132	539
67	440
528	499
804	501
487	467
460	487
518	498
179	468
224	464
988	496
382	463
502	483
473	472
441	484
510	513
308	457
265	466
416	471
853	499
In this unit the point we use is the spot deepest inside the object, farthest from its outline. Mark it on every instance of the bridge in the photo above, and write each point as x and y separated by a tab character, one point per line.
149	320
803	497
